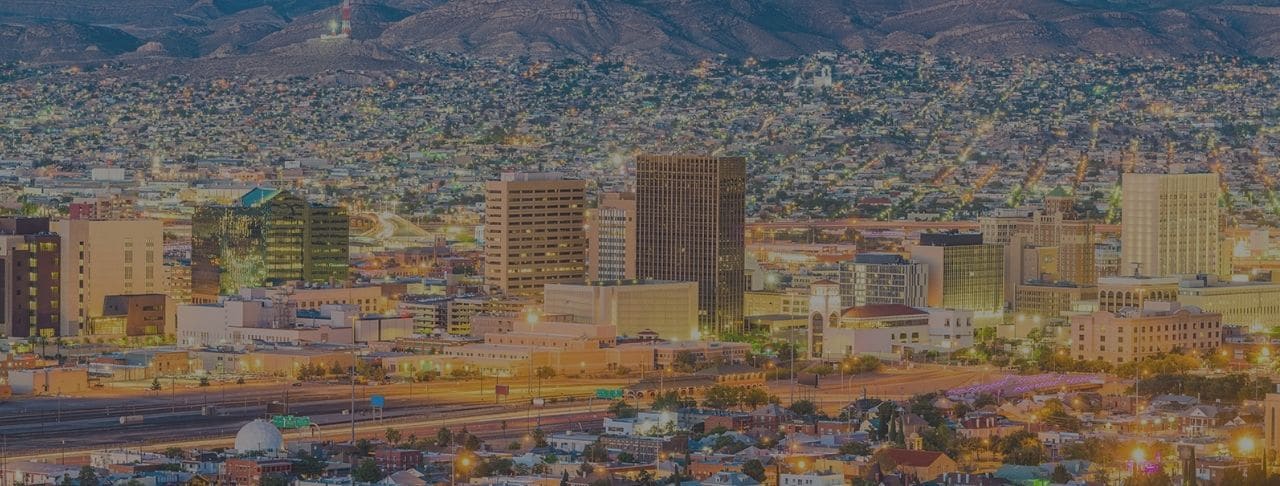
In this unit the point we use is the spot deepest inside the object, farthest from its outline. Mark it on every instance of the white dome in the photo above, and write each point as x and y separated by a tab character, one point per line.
259	435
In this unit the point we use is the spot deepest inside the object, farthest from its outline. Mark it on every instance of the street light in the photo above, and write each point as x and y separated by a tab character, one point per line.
1246	445
1138	456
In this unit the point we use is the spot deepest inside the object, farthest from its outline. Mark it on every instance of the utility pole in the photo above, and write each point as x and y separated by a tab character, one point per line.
352	409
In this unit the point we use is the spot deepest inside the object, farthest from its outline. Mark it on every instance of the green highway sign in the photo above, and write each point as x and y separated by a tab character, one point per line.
609	393
290	422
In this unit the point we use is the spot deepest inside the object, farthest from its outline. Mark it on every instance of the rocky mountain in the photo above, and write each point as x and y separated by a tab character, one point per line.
194	32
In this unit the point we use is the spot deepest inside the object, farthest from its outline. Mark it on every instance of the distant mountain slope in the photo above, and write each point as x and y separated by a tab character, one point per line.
656	31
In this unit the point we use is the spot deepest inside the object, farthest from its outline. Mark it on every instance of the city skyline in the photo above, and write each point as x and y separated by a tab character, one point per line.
639	243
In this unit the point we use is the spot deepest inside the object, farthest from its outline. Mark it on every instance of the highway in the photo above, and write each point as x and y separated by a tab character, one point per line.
72	426
67	428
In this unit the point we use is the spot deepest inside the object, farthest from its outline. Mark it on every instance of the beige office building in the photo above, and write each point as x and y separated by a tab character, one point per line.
611	235
534	232
667	308
101	258
1135	333
790	301
1253	304
690	223
1170	225
1051	230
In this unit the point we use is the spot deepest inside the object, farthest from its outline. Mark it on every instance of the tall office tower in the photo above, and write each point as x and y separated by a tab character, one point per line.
964	272
29	286
102	258
1170	225
883	278
534	232
612	238
690	218
266	237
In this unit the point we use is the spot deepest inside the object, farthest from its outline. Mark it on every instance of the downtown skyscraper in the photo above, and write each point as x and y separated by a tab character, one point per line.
267	237
690	218
1170	225
534	232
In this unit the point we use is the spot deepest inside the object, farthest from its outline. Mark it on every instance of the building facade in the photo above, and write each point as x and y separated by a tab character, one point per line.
1170	225
30	286
1251	304
612	238
964	272
1115	293
632	306
893	331
883	278
1131	334
690	223
1051	226
130	315
103	258
267	237
534	232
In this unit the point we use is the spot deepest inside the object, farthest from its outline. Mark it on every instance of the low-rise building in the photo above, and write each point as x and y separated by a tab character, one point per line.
890	330
49	381
251	471
1255	305
632	306
1130	334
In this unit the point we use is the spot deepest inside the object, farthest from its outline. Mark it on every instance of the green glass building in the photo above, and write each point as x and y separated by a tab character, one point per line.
267	237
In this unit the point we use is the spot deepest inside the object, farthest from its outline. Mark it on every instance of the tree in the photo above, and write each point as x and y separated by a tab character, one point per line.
755	398
473	443
884	416
366	472
855	449
539	437
1023	448
721	397
622	409
364	447
173	452
274	480
626	457
545	373
204	381
985	399
803	407
1160	478
755	469
155	384
87	477
308	465
393	436
444	437
672	401
1060	475
645	478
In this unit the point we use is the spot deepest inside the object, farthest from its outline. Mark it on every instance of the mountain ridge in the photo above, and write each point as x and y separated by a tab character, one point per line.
661	32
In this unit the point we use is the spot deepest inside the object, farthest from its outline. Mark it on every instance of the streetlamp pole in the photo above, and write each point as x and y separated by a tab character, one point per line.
352	408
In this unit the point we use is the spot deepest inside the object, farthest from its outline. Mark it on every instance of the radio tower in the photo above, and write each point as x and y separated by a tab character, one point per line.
346	18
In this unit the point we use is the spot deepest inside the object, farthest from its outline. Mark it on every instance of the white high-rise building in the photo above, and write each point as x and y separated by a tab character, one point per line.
1170	225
